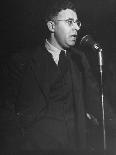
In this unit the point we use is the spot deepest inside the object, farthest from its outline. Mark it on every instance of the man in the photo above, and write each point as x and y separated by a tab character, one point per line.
55	98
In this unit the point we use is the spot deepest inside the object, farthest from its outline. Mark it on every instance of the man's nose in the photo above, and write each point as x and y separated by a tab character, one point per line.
76	27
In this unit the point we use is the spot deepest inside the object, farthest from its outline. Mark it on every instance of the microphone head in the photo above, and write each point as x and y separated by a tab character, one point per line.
87	40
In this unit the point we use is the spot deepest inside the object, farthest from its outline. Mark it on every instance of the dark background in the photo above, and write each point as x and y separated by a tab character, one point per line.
21	22
21	27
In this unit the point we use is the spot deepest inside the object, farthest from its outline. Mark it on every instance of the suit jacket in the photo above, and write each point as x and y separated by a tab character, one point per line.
32	97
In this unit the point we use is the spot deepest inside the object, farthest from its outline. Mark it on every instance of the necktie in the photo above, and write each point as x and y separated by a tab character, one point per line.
63	62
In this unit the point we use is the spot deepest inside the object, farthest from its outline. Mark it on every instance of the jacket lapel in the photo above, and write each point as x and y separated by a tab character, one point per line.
45	69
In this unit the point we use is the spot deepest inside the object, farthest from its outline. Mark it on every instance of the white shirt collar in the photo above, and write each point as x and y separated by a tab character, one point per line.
53	50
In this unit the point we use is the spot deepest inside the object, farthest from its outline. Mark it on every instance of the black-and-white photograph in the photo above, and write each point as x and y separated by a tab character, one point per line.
58	77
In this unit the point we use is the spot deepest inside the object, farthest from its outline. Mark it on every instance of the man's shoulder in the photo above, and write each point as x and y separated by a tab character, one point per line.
25	55
20	59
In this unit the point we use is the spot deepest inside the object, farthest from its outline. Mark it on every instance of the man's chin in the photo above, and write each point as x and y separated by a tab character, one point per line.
72	44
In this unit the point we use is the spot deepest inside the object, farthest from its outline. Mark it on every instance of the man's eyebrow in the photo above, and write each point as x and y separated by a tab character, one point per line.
70	18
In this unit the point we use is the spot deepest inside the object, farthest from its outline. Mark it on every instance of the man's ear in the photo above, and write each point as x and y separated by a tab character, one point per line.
51	26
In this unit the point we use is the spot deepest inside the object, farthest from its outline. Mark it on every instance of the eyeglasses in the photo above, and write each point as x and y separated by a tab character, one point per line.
70	22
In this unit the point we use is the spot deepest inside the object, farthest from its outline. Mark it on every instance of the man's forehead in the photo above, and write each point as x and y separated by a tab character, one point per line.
68	13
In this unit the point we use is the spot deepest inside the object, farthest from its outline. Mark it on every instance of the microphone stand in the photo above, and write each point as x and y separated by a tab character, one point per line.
87	40
102	96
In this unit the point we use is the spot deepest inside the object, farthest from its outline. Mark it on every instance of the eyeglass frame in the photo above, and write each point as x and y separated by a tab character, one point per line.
78	22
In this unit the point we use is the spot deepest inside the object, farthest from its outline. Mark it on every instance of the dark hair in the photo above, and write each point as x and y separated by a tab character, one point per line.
56	7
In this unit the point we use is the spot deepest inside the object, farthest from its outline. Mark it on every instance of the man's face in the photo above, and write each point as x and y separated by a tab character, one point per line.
65	33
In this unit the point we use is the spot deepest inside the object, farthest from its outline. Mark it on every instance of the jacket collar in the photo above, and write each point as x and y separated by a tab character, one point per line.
44	68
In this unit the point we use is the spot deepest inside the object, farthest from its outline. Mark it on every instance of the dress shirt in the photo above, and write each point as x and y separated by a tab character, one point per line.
53	50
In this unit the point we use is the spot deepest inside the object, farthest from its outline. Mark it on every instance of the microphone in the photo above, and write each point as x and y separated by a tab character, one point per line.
87	40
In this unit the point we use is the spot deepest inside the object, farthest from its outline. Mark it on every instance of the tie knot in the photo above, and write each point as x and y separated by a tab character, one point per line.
62	55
